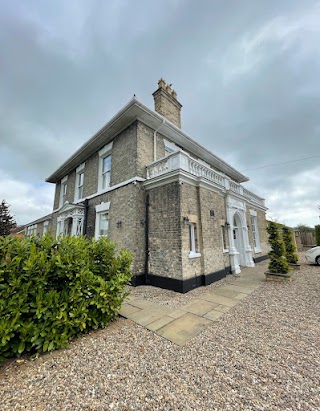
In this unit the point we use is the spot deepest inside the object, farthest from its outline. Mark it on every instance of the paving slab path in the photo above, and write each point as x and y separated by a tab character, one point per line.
182	324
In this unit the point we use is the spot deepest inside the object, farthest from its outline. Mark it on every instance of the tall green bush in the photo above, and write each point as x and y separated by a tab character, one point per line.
290	248
317	234
53	290
278	263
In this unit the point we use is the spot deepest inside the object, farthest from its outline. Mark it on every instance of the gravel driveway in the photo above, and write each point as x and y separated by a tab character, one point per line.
262	355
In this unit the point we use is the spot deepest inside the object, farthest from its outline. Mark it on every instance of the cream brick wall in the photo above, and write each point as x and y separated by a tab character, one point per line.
196	203
91	174
124	155
213	257
123	166
165	232
189	203
145	152
127	206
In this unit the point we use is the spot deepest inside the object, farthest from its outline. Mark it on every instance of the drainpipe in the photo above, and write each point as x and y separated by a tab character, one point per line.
146	266
155	140
85	217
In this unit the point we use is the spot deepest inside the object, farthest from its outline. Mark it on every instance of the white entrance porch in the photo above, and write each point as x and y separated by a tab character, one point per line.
240	251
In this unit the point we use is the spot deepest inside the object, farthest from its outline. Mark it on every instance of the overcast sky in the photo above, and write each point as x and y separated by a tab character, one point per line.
246	73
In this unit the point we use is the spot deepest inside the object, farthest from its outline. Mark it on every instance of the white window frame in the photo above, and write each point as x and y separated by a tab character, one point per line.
169	147
101	209
79	172
255	231
104	153
32	230
63	184
224	236
45	227
193	252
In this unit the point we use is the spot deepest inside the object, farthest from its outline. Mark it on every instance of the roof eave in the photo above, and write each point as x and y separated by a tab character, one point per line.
132	110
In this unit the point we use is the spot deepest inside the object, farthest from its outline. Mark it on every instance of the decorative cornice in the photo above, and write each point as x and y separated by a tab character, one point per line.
126	116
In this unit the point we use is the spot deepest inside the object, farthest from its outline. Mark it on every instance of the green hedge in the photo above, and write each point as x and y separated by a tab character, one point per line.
290	248
278	262
53	290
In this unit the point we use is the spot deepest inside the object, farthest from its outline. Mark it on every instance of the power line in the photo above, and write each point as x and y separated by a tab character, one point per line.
279	164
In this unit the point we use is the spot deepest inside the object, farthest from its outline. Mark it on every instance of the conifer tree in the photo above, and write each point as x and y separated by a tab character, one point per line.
7	221
278	262
289	245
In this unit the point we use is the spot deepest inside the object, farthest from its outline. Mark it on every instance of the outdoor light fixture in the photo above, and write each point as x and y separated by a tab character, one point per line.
119	224
186	219
227	225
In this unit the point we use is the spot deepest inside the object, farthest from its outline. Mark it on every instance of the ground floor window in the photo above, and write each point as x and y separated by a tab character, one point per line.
102	220
193	241
255	231
45	227
103	224
32	230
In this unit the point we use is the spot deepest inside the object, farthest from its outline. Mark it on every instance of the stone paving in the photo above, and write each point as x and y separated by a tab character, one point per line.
180	325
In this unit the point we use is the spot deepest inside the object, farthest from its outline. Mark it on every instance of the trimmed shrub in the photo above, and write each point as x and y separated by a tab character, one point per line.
53	290
290	248
278	262
317	234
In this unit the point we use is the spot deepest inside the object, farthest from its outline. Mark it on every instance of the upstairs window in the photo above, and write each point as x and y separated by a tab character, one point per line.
104	167
78	193
63	190
80	185
169	147
106	171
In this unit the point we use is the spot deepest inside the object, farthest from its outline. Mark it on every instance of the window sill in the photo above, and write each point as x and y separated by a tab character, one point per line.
194	255
257	250
225	251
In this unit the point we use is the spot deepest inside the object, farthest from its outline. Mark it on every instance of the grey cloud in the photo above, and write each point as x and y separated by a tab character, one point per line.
67	67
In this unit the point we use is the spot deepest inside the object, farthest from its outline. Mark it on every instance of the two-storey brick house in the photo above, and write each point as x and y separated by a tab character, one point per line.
149	187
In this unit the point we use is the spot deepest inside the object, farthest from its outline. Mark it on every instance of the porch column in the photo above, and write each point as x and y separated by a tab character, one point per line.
233	253
247	248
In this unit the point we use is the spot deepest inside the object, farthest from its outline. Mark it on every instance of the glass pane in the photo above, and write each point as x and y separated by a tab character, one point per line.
103	224
81	175
106	164
80	192
106	180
